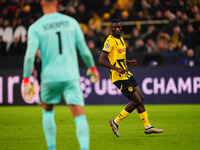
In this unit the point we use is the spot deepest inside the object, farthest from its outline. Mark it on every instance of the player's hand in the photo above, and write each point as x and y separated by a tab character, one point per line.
121	70
93	74
29	90
132	62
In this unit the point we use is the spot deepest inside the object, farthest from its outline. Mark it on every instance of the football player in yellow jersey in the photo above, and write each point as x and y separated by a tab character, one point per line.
115	50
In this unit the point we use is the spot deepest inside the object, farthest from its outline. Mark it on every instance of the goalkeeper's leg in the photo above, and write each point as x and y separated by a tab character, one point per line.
82	127
49	125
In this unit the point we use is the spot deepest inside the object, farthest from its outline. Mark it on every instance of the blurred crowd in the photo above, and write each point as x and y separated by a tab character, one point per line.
181	32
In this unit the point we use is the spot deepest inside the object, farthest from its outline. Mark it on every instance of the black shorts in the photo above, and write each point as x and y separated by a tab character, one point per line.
127	87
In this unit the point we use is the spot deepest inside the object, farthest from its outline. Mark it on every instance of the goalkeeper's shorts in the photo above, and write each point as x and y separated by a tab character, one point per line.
51	92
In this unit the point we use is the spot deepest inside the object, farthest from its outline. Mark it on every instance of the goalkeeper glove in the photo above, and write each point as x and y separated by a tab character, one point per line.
29	89
93	74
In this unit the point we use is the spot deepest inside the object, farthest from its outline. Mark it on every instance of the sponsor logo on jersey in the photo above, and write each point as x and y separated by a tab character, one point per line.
121	50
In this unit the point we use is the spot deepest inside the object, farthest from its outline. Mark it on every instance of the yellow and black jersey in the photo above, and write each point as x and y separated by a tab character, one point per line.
116	49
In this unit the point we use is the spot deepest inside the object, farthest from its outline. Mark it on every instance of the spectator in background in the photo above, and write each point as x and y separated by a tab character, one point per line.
1	22
157	6
82	16
177	37
124	16
179	14
122	4
7	33
162	42
93	48
3	4
20	31
106	6
115	11
71	11
12	7
184	22
106	18
195	42
145	8
189	36
131	11
92	36
135	35
96	20
140	17
24	46
6	15
194	10
104	35
1	26
181	6
15	47
173	21
140	46
150	46
196	22
159	16
25	15
2	47
169	5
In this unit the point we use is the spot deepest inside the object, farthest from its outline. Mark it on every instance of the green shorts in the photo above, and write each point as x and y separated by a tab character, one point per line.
51	92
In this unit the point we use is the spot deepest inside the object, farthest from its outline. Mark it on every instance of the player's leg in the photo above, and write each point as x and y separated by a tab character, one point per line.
135	101
82	127
144	117
74	98
50	95
49	125
129	91
141	110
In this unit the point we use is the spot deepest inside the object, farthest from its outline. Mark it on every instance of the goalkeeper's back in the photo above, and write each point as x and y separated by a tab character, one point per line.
57	36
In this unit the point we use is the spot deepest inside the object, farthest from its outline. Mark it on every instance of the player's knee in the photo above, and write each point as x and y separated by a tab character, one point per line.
137	101
142	98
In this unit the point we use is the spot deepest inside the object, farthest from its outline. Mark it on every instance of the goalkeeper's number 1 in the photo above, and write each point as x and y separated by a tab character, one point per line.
59	38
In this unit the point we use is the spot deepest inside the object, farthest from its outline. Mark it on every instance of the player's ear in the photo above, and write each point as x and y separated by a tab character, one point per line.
41	3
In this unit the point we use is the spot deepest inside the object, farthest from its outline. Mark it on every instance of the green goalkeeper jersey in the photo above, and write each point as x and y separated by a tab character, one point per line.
56	36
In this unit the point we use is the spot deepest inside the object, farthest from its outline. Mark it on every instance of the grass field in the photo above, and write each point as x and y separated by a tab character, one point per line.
21	128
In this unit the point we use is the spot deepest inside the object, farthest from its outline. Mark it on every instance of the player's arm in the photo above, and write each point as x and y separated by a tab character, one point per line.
131	62
103	61
86	55
32	46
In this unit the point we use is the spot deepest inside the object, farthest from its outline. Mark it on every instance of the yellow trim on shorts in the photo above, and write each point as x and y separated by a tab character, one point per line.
121	88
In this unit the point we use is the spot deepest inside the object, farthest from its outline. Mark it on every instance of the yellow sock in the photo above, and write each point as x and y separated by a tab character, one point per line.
123	114
144	118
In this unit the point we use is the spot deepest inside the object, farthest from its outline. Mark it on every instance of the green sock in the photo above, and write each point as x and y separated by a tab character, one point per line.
82	132
49	128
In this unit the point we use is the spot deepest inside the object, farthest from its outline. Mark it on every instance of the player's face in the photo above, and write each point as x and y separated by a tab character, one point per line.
116	29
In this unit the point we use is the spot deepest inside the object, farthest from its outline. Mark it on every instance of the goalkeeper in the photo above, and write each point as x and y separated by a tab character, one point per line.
57	37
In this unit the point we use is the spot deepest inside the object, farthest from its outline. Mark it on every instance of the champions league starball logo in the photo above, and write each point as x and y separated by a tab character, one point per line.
85	86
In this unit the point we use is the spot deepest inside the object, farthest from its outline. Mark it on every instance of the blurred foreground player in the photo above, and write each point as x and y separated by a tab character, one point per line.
115	50
57	36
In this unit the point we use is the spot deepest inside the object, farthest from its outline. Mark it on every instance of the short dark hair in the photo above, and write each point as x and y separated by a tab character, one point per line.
49	0
115	20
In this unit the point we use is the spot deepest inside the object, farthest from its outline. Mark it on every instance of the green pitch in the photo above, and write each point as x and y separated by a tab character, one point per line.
21	128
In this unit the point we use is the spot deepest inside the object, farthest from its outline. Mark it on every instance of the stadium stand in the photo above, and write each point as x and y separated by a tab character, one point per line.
156	32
